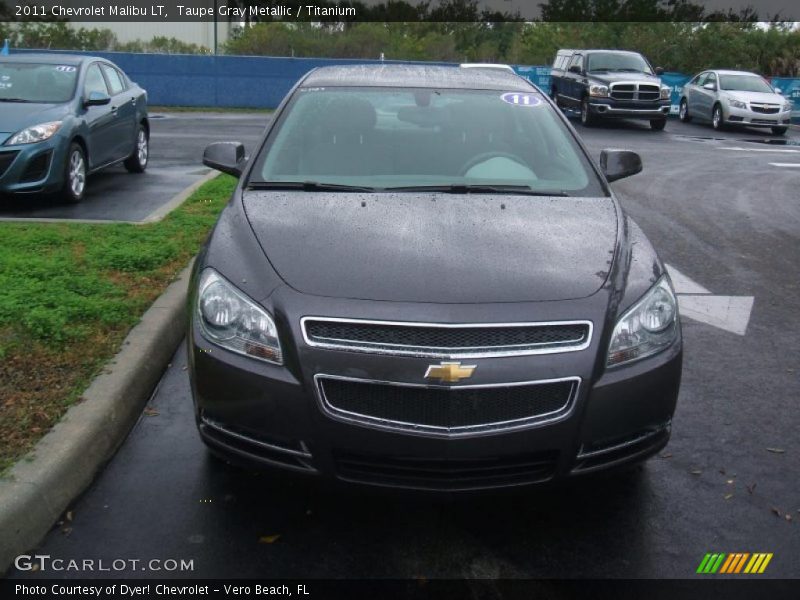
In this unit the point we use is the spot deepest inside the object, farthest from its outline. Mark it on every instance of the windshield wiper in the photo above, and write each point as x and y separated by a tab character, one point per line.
459	188
13	100
307	186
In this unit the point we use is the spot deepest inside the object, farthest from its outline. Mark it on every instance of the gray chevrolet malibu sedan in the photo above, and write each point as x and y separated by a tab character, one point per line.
423	281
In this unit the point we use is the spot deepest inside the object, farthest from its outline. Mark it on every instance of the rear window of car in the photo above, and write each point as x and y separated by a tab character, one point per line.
115	82
47	83
393	137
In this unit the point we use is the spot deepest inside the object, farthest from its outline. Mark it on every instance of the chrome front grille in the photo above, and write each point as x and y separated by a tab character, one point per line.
767	109
634	91
442	410
433	340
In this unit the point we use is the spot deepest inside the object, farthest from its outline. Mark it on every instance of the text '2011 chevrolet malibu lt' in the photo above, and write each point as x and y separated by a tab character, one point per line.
423	281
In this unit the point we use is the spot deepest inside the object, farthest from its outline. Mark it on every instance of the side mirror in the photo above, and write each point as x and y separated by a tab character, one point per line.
575	69
97	99
711	87
659	70
227	157
778	91
617	164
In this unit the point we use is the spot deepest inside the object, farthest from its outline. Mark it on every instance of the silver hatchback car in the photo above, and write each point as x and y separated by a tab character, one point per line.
735	98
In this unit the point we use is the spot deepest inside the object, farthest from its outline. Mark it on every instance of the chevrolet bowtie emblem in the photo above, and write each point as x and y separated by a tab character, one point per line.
449	372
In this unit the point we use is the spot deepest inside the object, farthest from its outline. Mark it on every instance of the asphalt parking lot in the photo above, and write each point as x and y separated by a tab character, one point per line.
177	141
722	209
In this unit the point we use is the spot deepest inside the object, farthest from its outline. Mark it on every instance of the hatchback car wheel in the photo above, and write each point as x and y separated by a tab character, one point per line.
717	120
779	130
683	113
75	174
137	161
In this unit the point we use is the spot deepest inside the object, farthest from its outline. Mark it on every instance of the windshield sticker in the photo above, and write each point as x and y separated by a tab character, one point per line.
65	69
5	86
517	99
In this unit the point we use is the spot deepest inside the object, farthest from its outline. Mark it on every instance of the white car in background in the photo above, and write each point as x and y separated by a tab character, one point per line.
735	98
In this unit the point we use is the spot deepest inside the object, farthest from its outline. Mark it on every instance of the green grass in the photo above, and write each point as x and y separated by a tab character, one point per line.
70	292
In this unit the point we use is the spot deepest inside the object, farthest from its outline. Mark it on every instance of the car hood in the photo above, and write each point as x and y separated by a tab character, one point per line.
615	76
439	248
766	97
15	116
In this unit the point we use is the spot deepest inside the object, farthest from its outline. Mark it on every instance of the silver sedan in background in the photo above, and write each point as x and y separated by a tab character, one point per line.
735	98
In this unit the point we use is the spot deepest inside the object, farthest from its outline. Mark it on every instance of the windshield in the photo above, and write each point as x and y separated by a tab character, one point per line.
613	61
37	82
384	138
744	83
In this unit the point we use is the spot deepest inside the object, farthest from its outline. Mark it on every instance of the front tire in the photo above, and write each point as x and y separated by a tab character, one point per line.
717	118
658	124
75	173
779	130
683	112
137	161
587	118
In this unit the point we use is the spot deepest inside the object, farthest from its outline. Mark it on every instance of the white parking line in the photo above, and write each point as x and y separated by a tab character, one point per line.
788	165
786	150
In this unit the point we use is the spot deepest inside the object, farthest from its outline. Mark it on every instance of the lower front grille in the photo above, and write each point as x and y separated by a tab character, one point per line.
37	167
6	158
446	474
446	410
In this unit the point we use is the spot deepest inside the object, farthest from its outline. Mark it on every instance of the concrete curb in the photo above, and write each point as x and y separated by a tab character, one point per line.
40	486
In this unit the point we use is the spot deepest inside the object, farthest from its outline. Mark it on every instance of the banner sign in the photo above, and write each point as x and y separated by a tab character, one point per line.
790	88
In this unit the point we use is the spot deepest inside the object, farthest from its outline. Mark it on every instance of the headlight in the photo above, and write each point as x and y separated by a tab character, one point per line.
646	328
37	133
736	103
666	92
597	90
787	105
230	319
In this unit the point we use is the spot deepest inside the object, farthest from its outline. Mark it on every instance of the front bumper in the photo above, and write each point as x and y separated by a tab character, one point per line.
32	168
606	107
265	415
751	118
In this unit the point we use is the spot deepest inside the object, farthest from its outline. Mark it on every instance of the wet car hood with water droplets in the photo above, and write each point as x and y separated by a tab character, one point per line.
441	248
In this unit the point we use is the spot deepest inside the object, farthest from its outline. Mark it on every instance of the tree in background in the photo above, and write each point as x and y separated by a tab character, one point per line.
60	36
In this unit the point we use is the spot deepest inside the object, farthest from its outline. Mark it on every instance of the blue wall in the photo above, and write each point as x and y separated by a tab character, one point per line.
222	81
262	81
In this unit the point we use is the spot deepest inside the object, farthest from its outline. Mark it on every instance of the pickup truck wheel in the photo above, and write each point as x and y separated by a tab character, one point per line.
683	113
779	130
587	118
717	120
658	124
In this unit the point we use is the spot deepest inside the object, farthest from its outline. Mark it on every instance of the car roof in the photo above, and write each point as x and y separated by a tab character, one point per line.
587	50
498	66
732	72
39	57
415	76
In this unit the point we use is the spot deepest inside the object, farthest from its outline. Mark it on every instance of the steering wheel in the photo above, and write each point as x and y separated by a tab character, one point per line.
484	156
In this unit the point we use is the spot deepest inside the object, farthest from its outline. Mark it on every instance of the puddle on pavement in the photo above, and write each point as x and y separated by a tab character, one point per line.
699	138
